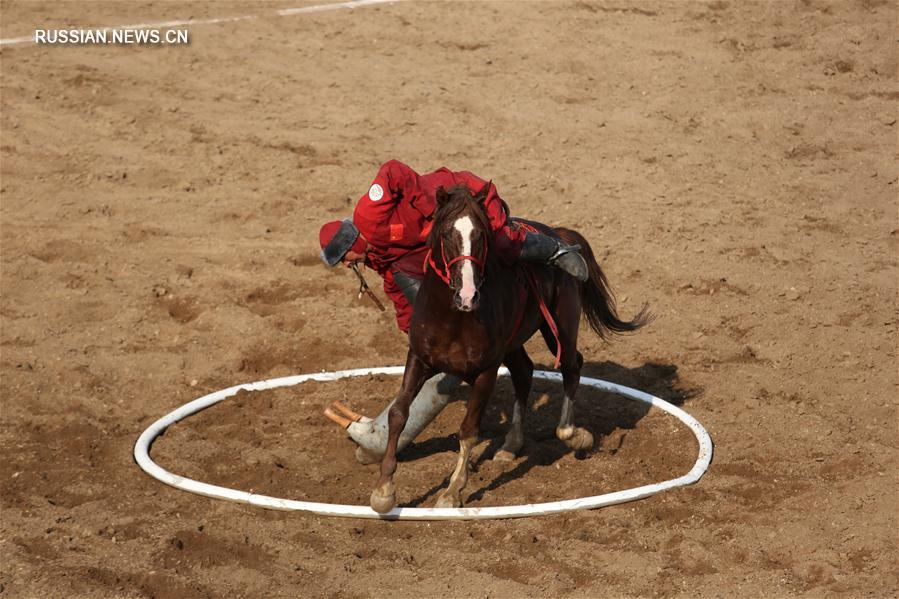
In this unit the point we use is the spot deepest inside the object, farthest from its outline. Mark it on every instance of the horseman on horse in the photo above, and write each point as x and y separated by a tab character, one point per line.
388	233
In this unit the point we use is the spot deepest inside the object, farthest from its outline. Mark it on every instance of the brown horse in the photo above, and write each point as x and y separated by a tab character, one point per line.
473	314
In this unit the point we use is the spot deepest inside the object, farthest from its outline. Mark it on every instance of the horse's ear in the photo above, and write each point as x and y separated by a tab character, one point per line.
441	195
485	191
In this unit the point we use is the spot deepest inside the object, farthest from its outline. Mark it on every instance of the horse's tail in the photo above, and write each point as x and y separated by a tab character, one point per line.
596	296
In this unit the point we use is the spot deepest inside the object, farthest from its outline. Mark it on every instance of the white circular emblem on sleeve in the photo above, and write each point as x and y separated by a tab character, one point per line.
375	193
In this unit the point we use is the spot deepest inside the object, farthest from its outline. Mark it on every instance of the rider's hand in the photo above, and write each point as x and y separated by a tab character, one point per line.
351	258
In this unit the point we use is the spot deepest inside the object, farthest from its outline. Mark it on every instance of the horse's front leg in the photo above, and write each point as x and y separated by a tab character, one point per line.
383	498
468	438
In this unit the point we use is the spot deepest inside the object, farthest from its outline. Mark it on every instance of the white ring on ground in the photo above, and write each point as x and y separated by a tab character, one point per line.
142	456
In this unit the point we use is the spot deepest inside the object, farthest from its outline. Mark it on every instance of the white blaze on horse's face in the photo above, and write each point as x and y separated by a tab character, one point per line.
467	292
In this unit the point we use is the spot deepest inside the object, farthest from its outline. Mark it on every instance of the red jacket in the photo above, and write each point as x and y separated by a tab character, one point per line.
395	216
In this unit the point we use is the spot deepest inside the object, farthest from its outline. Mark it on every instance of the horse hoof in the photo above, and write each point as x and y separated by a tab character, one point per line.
564	433
504	456
383	498
363	456
581	439
448	501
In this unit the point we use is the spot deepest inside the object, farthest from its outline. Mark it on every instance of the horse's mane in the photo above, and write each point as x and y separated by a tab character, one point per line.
458	199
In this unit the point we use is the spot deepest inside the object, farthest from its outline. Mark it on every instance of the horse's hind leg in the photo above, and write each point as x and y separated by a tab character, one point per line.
521	368
568	316
468	437
573	436
383	497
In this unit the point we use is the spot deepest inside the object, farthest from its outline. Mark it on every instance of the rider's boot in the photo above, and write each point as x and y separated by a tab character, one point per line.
548	250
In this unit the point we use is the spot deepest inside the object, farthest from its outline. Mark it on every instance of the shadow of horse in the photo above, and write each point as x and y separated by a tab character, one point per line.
602	413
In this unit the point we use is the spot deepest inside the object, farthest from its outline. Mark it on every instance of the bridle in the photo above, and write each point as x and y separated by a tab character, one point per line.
445	273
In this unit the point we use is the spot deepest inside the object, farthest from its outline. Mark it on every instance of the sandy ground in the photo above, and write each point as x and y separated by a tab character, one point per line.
732	163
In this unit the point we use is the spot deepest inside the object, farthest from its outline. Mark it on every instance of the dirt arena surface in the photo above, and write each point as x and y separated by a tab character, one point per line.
732	163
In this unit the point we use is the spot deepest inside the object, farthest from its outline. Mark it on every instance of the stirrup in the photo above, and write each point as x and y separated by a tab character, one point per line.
564	249
569	259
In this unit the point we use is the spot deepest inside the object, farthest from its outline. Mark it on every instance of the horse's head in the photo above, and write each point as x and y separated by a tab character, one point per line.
460	239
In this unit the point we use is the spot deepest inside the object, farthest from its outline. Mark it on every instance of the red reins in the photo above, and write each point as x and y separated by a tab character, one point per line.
544	309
